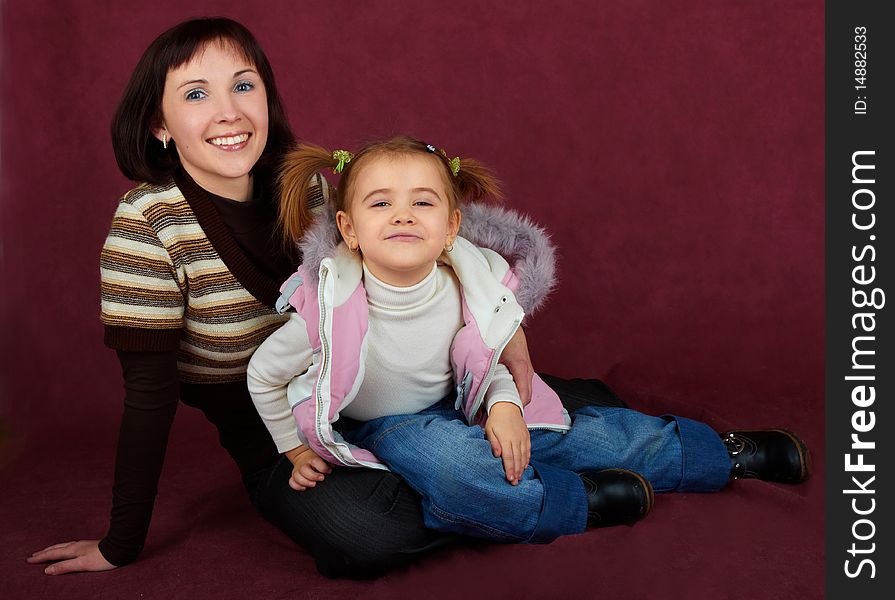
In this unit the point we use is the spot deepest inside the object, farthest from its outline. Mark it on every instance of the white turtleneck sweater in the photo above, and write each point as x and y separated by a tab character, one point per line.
408	366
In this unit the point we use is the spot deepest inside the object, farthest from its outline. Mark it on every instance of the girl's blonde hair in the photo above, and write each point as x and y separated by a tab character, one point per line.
472	182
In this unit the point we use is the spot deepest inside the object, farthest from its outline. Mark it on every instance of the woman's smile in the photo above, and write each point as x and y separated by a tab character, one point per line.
230	142
214	109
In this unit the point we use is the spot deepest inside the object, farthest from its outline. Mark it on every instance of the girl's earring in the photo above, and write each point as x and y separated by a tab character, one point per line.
165	140
450	246
353	247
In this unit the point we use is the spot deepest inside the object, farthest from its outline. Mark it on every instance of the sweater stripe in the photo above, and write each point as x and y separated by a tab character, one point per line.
160	271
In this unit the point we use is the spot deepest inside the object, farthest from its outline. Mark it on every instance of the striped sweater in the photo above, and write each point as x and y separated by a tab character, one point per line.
173	277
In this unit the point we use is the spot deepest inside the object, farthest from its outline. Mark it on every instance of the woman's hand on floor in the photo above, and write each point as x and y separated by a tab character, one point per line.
72	557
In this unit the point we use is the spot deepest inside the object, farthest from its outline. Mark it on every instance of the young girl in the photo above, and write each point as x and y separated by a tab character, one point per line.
190	275
390	359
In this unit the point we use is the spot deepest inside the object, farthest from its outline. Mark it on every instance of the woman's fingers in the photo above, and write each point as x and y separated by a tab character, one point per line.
54	552
74	556
62	551
66	566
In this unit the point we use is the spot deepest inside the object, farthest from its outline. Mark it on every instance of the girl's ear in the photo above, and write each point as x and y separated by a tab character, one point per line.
454	226
343	221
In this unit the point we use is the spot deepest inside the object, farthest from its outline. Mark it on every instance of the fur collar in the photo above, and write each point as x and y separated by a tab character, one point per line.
526	246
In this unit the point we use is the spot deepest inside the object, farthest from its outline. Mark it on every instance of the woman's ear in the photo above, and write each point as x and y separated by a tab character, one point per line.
161	134
343	221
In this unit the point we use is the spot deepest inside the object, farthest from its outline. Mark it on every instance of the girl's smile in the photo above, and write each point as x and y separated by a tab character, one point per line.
400	217
404	237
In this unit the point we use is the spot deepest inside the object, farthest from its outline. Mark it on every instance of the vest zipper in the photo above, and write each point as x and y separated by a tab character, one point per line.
480	396
324	367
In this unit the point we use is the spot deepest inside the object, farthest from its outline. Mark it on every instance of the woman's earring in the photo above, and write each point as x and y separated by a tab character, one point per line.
165	140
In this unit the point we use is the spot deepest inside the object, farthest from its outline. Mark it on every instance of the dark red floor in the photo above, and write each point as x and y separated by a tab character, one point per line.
753	540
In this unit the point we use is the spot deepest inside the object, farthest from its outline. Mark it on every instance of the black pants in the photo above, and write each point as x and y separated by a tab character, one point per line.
361	522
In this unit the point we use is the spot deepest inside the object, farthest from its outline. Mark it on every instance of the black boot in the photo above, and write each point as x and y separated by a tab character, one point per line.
616	497
768	454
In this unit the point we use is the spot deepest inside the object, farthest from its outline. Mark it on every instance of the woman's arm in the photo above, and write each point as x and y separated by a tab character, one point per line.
532	257
151	395
515	357
142	310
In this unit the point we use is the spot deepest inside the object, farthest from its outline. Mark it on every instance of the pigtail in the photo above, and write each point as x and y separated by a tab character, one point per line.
474	181
298	169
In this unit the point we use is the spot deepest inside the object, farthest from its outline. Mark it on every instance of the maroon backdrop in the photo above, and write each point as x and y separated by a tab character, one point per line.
673	148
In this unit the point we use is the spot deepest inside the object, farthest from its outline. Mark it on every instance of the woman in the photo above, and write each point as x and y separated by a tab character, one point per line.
190	274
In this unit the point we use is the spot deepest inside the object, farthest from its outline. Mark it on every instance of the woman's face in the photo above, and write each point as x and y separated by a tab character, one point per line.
215	108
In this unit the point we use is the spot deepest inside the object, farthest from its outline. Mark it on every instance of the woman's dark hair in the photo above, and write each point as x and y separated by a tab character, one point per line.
140	155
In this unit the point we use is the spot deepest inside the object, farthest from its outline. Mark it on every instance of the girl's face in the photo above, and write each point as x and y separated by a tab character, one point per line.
215	108
400	217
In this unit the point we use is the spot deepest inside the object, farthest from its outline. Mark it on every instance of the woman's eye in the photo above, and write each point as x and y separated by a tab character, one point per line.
244	86
196	94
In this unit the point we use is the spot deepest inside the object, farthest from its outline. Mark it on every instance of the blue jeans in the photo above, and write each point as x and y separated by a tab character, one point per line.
464	490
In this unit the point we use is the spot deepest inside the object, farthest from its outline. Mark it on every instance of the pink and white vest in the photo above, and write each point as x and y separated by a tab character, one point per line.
335	312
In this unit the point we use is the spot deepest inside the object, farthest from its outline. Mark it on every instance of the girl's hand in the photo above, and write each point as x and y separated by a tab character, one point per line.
73	557
307	468
509	437
516	359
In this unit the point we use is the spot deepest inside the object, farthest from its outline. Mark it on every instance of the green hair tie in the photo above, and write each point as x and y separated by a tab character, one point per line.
343	156
455	165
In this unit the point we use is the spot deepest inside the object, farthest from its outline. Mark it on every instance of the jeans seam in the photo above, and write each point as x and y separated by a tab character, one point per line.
385	432
491	532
